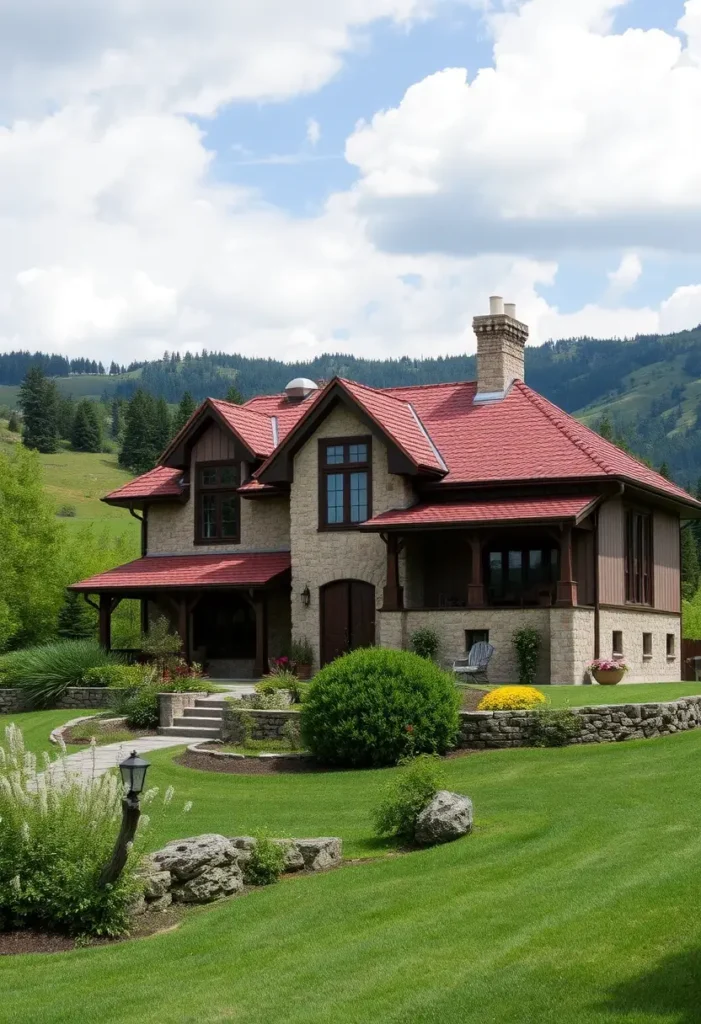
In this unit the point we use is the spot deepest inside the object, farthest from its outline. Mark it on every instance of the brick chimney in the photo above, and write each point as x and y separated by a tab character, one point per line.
501	339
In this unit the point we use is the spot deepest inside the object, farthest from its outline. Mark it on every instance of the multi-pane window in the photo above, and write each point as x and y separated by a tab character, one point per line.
344	482
218	504
520	575
638	560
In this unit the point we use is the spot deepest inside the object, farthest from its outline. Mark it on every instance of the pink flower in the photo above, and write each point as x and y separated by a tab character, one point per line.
410	728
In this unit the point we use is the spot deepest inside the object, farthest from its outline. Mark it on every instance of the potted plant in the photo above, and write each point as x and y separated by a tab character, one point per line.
608	671
302	657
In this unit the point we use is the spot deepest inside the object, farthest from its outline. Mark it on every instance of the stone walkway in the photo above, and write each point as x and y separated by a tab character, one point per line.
89	765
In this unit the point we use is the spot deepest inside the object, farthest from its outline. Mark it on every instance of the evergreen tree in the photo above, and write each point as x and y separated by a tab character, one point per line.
234	396
75	619
664	471
138	452
691	571
13	422
162	425
116	424
605	428
38	400
184	412
65	415
86	435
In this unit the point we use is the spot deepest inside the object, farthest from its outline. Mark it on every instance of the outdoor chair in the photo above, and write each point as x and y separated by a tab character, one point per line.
474	665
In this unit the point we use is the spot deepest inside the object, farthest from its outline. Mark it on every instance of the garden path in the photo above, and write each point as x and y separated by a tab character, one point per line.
94	761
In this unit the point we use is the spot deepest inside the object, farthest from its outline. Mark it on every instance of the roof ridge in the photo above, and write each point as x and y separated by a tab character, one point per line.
235	405
548	411
376	391
438	384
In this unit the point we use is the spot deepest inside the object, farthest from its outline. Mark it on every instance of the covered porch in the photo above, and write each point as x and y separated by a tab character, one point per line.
232	611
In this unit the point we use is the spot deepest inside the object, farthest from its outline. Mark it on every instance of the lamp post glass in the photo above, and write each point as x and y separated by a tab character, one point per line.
133	772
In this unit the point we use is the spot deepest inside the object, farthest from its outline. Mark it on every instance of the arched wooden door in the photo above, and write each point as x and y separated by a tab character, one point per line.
347	610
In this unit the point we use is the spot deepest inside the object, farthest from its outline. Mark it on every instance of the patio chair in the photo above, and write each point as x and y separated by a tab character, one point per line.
473	666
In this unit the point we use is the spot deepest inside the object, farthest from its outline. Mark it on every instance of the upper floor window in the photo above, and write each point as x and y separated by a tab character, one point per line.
345	482
218	518
638	557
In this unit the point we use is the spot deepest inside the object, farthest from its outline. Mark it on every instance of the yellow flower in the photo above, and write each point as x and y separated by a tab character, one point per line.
511	698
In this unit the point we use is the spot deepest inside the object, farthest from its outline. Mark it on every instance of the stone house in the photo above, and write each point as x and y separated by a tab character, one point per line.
353	515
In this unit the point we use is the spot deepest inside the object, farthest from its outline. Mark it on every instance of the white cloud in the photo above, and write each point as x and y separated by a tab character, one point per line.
575	138
627	274
313	131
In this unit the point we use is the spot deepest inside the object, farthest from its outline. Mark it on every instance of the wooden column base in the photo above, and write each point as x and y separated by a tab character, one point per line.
566	593
392	599
475	595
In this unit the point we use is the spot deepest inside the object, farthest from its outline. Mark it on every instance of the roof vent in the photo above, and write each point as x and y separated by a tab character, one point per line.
300	388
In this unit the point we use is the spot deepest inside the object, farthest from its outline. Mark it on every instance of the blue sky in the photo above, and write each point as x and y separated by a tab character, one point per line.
161	187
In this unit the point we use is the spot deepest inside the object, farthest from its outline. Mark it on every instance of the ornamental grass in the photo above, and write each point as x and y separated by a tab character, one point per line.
512	698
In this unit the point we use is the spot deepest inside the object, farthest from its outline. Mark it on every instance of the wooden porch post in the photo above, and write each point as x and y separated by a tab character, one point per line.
260	603
183	622
105	621
475	588
393	594
566	588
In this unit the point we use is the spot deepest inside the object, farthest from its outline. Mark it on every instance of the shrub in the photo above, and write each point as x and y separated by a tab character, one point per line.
119	676
140	706
44	672
161	644
527	643
266	862
412	788
292	735
376	705
425	642
284	681
275	700
553	727
301	652
57	832
67	511
511	698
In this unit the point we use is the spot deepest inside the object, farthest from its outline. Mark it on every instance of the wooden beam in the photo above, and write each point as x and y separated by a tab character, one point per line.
105	621
260	603
393	594
183	622
475	588
567	587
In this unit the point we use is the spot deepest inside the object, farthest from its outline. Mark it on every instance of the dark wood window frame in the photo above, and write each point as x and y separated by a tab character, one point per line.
639	558
344	469
528	586
218	491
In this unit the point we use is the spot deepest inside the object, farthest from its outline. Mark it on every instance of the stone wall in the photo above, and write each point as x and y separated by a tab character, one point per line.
319	557
571	644
658	668
606	723
12	701
172	705
267	725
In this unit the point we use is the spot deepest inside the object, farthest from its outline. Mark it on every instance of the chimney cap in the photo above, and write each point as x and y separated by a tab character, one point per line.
299	388
510	309
496	305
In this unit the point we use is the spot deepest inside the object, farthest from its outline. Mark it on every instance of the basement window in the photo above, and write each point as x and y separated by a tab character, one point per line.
647	645
617	645
475	636
671	641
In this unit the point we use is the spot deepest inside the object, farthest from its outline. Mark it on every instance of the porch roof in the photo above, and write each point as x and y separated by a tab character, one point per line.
178	572
428	515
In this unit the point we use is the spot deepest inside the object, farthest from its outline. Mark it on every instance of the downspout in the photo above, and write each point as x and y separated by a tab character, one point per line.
143	519
597	574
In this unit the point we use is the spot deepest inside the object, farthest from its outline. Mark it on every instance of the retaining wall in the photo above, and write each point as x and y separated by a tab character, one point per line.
13	701
266	725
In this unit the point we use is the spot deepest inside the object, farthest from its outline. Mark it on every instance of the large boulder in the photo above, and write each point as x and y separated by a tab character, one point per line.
319	854
211	884
157	884
188	858
448	816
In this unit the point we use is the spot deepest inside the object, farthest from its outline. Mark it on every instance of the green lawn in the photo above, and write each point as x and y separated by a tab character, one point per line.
575	900
624	693
36	726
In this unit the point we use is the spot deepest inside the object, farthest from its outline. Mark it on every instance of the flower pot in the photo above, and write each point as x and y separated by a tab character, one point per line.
304	672
609	678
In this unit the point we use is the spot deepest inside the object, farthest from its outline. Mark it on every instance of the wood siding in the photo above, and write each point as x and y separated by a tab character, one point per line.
612	553
214	445
665	547
583	553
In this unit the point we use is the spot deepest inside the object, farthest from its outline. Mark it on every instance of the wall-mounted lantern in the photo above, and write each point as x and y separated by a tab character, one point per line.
306	597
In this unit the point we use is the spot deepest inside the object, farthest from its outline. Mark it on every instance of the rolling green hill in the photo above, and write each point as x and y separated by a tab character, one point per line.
83	385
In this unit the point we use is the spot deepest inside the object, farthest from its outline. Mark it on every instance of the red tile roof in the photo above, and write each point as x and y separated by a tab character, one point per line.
248	569
286	413
515	510
255	429
161	482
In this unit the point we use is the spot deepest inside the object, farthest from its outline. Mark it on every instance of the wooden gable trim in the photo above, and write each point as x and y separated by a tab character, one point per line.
178	452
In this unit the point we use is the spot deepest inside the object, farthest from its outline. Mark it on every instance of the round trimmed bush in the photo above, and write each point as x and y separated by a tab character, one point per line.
512	698
375	706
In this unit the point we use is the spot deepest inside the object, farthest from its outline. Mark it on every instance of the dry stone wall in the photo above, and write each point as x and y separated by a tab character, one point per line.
266	725
12	701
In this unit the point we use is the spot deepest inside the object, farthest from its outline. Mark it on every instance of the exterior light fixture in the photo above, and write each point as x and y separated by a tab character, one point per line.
306	596
133	772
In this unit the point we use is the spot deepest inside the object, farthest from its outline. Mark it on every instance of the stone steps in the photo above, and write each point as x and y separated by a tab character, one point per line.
204	711
197	728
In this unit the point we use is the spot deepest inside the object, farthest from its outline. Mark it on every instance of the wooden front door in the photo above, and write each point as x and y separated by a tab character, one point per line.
347	617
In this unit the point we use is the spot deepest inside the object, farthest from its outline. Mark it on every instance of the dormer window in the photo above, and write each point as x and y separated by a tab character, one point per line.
218	519
345	482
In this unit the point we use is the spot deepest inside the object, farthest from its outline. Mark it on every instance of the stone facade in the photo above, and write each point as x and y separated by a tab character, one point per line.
606	723
571	644
172	705
265	526
657	668
318	557
500	352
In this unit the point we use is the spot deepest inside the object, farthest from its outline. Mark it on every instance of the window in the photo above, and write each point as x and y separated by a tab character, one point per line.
647	645
519	576
638	558
344	482
617	646
475	636
218	504
671	640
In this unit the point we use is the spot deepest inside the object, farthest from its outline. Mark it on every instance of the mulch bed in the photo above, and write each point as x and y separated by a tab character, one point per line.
250	765
471	698
83	733
31	941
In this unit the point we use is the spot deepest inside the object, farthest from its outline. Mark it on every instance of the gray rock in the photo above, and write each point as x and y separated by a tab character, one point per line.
157	884
188	858
448	816
319	854
294	861
139	906
161	904
212	884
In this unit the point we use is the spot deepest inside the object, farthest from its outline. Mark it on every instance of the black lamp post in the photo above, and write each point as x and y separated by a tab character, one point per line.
133	772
